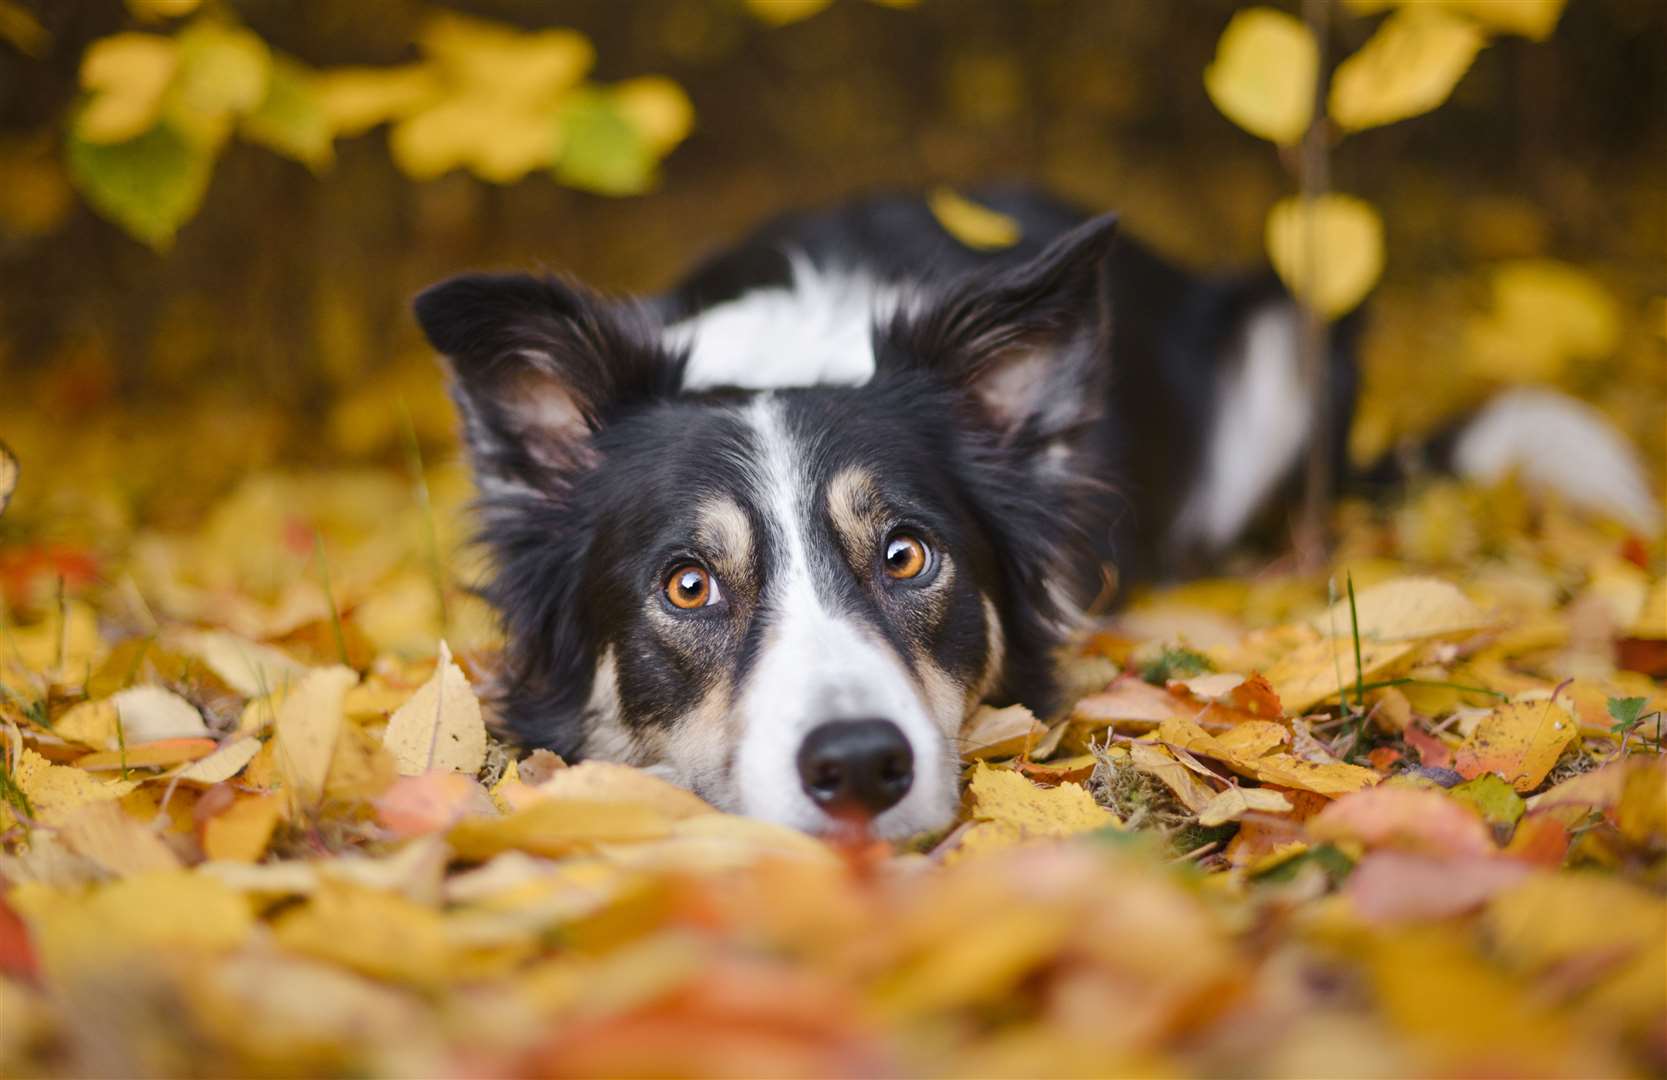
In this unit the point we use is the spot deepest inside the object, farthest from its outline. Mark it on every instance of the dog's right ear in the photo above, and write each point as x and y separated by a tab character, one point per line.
538	366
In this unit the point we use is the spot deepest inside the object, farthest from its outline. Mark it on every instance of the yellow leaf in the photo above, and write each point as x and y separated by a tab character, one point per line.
1533	19
1544	315
658	108
1004	796
54	790
1651	623
782	12
501	62
224	763
127	75
104	833
1403	609
1321	668
1264	73
222	68
157	753
440	727
1554	918
498	144
1340	237
161	912
372	931
1520	741
356	99
975	225
1158	762
252	669
1252	739
1236	802
556	827
241	832
992	732
605	781
1408	67
309	724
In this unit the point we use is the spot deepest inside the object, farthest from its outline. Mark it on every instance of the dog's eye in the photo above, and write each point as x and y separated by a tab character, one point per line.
906	557
691	587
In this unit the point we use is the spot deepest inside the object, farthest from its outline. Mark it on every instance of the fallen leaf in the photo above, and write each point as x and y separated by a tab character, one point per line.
1403	609
168	911
1156	761
606	781
432	802
241	832
1406	818
557	827
441	726
1263	74
148	755
1520	741
307	730
1006	797
252	669
996	733
1396	886
1491	797
1129	703
371	931
1235	802
104	833
53	790
224	763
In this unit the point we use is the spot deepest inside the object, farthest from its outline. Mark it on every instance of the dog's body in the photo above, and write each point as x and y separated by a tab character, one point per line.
776	533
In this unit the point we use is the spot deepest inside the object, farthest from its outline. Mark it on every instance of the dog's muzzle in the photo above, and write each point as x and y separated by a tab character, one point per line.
856	766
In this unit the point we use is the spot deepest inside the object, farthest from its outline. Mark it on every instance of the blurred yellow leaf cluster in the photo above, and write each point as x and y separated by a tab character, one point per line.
1265	78
501	102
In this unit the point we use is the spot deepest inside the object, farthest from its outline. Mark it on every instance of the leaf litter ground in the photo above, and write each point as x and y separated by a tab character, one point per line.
1406	817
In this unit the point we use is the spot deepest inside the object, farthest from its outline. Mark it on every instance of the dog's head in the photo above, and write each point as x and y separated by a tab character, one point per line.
788	600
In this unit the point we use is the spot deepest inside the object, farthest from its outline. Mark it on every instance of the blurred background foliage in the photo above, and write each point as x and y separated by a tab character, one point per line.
213	212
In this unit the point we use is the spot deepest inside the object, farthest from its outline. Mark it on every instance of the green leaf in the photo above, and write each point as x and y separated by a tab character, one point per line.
150	185
291	119
1174	662
599	149
1493	798
1625	711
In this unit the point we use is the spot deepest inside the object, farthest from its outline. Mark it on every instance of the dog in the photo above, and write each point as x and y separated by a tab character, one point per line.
776	533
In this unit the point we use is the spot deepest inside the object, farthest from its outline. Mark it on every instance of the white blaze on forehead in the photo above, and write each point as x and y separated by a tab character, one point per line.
816	665
816	331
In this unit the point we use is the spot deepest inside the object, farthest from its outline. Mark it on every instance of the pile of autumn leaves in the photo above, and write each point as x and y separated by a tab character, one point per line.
1423	830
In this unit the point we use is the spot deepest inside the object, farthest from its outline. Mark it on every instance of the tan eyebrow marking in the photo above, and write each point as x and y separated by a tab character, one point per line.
854	505
722	528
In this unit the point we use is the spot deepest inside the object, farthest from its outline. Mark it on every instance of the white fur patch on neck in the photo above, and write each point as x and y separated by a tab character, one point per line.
817	331
1262	420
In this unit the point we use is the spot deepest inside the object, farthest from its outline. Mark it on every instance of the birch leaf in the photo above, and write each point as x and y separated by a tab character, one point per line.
440	727
1408	67
308	728
1263	74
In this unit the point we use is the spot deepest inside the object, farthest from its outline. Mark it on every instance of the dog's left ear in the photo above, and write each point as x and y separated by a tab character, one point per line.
538	366
1027	342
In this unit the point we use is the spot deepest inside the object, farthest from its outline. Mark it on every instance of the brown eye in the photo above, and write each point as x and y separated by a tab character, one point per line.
906	557
691	587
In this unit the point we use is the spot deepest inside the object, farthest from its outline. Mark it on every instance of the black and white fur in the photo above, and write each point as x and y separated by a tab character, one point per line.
839	380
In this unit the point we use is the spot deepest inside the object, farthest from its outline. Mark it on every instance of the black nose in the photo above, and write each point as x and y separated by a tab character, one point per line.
856	765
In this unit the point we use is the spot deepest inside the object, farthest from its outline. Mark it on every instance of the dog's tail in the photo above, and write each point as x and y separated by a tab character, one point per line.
1557	443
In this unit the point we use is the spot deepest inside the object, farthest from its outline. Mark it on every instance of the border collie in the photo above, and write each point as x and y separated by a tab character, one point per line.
776	533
